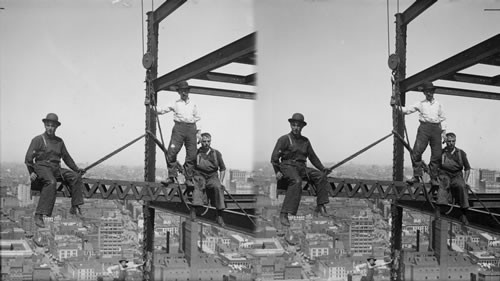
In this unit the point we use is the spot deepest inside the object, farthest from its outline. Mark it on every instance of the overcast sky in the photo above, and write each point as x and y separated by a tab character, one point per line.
328	60
324	58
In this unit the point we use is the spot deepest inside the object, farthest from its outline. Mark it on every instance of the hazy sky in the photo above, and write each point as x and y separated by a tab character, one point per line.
83	61
328	60
324	58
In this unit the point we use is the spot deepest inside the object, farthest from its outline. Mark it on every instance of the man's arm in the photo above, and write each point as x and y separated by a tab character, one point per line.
466	165
68	160
112	268
222	166
277	153
30	154
314	158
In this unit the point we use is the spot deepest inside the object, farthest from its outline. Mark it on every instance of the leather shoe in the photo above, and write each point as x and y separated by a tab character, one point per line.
413	180
168	181
464	220
75	210
39	220
220	221
284	219
320	210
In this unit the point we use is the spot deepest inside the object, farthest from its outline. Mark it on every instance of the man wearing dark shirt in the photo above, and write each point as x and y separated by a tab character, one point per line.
456	167
208	165
289	162
43	160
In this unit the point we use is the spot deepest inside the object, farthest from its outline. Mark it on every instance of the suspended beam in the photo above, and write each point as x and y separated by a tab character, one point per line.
467	58
478	219
166	9
223	77
470	78
225	55
145	191
235	220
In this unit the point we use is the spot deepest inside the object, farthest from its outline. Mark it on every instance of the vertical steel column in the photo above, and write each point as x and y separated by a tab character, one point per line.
398	152
150	149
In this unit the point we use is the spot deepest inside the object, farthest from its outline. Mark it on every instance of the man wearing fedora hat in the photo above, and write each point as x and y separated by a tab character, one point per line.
432	131
184	132
43	160
289	159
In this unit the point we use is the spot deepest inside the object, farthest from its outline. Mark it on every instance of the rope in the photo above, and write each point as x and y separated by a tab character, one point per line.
113	153
388	34
246	214
142	25
359	152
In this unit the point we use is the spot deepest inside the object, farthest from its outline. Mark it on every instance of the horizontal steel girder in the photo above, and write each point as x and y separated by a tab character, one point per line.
467	93
483	51
479	219
147	191
235	220
222	93
238	49
416	9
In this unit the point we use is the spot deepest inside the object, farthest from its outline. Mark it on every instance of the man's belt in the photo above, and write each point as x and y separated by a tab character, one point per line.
293	162
429	123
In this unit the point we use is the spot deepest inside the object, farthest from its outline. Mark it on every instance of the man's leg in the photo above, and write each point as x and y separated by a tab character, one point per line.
421	142
175	145
199	188
216	193
48	193
191	149
75	185
436	150
294	190
458	184
322	185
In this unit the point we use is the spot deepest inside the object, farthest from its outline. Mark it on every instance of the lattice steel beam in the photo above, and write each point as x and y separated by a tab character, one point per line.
222	92
146	191
467	93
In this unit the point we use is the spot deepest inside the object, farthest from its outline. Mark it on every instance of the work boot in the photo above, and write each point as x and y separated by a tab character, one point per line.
434	182
284	219
464	220
39	220
220	220
168	181
415	179
75	210
320	210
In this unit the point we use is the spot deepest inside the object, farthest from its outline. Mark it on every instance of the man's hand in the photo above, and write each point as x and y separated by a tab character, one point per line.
33	176
393	101
443	136
279	175
198	136
327	171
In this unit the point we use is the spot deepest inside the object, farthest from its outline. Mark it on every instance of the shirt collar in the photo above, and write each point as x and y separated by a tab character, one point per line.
186	101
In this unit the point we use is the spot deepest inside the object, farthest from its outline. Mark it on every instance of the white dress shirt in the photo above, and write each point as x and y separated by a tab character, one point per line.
184	111
430	111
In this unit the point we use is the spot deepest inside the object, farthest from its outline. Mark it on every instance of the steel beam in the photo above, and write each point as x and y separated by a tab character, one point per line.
222	92
166	9
470	78
467	93
145	191
225	55
478	219
235	220
222	77
467	58
416	9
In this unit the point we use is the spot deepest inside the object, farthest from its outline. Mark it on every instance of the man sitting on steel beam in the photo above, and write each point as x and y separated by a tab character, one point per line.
289	162
43	160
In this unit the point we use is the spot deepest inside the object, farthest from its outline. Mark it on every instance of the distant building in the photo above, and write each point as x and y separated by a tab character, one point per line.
110	236
335	270
361	234
24	195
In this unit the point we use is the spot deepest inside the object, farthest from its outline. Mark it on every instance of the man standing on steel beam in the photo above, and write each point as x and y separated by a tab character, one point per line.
184	132
289	162
455	170
431	131
43	160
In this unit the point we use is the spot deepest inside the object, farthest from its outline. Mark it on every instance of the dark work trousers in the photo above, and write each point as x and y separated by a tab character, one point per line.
458	188
213	188
49	175
428	133
293	174
182	134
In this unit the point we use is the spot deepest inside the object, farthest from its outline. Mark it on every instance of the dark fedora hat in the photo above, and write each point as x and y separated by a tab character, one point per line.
182	85
52	117
120	260
298	117
371	258
427	86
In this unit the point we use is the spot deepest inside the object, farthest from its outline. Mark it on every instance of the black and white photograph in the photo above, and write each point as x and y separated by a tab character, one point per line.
252	140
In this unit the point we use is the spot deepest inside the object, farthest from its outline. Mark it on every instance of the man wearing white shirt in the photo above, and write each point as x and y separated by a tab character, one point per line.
431	131
184	133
